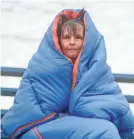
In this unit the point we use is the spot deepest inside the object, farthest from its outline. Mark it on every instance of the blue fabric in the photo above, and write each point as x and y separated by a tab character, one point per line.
71	127
96	106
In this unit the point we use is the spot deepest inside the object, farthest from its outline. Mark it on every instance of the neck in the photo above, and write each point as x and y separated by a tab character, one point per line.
73	60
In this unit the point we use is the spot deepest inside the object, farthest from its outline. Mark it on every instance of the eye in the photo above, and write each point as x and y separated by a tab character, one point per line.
79	37
66	36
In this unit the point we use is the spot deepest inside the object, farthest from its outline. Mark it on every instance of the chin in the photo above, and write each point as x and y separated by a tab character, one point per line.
72	57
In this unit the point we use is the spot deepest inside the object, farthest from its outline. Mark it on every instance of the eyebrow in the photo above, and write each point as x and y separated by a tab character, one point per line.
80	35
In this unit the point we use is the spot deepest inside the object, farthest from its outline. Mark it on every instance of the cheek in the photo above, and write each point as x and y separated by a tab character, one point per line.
63	45
80	44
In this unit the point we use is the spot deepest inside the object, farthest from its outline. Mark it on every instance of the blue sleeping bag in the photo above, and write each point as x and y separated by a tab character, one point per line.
47	107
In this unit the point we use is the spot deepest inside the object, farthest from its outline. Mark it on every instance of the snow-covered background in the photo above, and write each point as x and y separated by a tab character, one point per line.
24	23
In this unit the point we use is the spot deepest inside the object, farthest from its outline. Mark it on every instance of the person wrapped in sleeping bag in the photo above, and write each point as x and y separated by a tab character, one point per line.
68	90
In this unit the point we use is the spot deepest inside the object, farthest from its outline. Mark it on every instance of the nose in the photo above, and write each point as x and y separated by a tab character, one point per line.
72	40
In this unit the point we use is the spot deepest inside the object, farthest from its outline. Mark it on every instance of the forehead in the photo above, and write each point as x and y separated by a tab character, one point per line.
72	29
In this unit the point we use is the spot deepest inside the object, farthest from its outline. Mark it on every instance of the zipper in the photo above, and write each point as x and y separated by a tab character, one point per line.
37	133
31	123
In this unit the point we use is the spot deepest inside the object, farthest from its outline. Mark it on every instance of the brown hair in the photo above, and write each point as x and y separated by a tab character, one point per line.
70	24
71	27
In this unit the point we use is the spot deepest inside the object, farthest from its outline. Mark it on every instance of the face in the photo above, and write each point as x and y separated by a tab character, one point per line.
71	44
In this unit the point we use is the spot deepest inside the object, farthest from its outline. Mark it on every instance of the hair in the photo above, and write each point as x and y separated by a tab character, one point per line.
71	25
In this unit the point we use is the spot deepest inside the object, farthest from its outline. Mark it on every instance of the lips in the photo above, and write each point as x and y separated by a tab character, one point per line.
72	49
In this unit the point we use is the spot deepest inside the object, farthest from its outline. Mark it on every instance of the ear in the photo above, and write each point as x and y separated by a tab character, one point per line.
81	14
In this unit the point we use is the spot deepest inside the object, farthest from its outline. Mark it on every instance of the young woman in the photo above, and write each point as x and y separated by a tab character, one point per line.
68	90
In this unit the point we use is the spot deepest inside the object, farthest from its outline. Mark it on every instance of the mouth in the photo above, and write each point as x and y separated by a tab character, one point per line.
72	49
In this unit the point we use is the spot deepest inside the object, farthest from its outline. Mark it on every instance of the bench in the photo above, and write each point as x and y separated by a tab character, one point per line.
18	72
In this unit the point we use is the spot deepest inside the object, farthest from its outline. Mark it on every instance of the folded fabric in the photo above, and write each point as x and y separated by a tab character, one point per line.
71	127
96	94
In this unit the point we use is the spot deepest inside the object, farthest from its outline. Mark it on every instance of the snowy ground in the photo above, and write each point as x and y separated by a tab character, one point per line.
24	23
